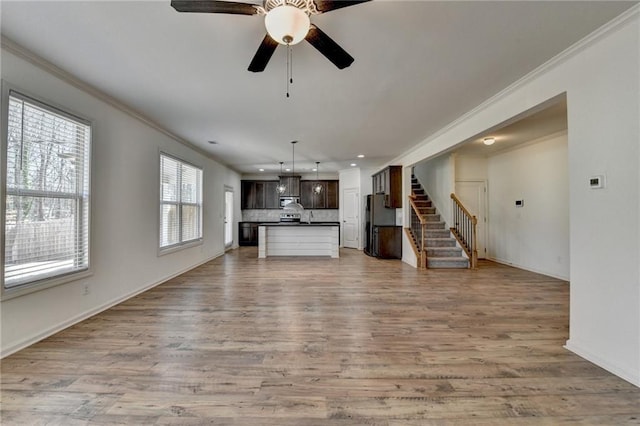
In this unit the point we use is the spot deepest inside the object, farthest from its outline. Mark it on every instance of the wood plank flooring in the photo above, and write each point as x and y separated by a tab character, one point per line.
318	341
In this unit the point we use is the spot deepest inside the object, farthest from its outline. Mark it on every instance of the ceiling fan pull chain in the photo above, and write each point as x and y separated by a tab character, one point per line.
288	68
290	65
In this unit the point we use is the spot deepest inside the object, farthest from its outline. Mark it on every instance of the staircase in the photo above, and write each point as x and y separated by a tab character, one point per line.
441	248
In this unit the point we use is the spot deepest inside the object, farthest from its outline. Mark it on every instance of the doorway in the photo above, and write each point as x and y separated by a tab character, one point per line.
228	218
473	195
351	218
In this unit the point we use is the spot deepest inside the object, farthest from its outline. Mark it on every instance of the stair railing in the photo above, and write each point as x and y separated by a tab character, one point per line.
464	230
419	231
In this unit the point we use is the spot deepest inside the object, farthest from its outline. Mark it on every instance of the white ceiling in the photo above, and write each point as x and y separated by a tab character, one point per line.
418	66
529	126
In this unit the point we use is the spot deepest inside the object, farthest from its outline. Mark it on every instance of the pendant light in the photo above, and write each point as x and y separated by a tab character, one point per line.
293	205
317	188
281	188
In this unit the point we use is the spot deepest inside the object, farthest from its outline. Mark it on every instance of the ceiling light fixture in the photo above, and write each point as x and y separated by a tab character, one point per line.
287	24
317	188
353	164
281	188
360	155
489	141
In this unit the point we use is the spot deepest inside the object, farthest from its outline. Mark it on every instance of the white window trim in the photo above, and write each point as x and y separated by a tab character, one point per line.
187	244
39	285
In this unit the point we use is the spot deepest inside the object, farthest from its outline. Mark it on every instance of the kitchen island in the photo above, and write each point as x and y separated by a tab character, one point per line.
299	239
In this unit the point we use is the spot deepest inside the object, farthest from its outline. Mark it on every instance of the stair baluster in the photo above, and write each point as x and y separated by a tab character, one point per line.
418	229
464	230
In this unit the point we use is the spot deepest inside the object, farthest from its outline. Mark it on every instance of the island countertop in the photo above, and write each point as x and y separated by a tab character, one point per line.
300	224
298	239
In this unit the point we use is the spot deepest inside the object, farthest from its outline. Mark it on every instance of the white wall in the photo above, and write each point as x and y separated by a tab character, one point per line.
124	217
601	77
536	236
470	168
437	176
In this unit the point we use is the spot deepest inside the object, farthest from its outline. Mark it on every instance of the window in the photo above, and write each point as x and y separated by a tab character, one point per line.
46	205
180	202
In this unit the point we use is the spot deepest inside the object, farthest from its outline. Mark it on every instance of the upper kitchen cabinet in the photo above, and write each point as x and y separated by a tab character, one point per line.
247	194
306	194
326	199
292	183
262	194
389	182
259	194
332	194
271	196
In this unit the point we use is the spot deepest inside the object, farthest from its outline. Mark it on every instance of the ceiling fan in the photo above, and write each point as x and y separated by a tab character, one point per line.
287	22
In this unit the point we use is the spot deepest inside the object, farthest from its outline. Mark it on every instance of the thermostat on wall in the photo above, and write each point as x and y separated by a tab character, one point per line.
596	182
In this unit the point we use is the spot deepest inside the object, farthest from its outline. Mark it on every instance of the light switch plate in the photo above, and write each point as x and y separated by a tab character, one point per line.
596	182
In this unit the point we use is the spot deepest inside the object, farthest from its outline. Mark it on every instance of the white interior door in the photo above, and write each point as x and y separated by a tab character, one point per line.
473	195
350	217
228	218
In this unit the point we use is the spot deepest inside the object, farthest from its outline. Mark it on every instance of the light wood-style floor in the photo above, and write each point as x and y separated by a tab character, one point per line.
349	341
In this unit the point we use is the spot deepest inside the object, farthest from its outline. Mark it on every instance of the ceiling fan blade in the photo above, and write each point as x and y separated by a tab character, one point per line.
213	6
328	47
264	53
329	5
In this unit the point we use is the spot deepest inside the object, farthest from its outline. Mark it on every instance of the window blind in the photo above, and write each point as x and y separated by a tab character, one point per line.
47	193
180	202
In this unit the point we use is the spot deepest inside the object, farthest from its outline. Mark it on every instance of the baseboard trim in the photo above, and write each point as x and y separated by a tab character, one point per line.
526	268
632	377
91	312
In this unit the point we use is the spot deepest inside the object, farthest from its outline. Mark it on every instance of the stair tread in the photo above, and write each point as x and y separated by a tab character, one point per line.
448	259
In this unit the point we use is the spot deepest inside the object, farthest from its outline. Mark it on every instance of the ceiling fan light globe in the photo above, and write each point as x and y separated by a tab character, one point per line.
287	24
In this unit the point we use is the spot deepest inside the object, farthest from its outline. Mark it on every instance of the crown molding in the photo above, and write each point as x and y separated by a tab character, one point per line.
611	26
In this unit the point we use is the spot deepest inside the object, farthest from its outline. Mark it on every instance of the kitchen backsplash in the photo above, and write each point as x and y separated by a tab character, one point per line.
256	215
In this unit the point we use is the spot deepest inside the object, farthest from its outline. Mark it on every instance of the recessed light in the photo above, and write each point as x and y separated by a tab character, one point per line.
213	142
360	155
353	164
287	170
489	141
262	170
314	170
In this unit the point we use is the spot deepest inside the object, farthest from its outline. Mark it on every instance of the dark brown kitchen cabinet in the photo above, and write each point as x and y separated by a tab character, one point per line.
259	194
389	182
248	233
320	200
333	194
271	196
292	185
306	194
387	242
262	194
259	198
247	194
326	199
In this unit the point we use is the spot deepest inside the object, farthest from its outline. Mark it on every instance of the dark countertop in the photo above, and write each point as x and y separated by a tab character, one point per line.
300	224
